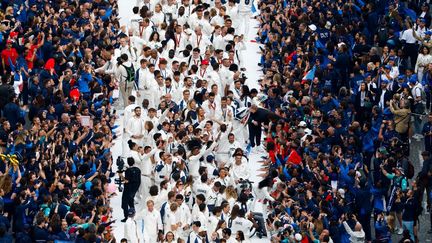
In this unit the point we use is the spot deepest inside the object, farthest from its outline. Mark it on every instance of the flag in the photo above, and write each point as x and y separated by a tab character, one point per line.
411	13
310	75
294	157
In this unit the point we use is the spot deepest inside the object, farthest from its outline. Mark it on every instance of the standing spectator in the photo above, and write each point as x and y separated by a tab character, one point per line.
9	57
409	213
427	133
132	180
401	118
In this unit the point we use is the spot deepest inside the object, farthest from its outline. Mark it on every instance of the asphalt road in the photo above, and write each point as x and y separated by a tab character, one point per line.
416	147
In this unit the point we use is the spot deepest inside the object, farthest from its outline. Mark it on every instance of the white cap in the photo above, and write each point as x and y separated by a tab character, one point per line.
225	56
342	192
340	44
312	27
328	25
302	124
298	237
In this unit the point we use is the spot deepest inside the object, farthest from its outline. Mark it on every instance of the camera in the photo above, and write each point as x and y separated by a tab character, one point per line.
120	169
120	165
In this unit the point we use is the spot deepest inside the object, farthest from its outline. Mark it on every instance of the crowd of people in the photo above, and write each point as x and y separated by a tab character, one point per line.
346	88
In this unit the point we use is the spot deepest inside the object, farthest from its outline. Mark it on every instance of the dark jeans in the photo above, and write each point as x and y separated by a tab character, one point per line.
411	50
254	135
428	99
365	222
128	199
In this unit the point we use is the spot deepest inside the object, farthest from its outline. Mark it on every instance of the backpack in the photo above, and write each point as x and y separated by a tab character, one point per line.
130	77
422	92
410	170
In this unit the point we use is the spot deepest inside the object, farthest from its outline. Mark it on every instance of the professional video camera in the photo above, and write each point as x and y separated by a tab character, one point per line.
120	169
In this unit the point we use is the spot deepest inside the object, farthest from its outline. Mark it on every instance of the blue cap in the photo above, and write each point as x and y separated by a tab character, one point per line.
413	79
392	58
88	185
428	32
401	76
405	85
385	81
422	20
367	75
387	66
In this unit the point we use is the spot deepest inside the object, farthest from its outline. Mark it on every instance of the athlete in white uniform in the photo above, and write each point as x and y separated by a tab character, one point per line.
245	12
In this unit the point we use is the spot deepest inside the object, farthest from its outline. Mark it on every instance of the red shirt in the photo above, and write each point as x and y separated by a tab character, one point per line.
30	56
11	54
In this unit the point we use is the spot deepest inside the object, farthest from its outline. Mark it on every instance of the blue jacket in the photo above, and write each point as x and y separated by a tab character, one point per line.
83	82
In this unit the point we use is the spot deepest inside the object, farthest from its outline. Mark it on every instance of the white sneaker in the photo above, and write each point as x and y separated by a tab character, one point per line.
400	231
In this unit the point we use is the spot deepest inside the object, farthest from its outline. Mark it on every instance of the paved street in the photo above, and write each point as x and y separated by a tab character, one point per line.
416	148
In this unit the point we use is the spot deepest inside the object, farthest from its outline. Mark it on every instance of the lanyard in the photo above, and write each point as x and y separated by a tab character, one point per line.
141	31
199	40
177	39
202	73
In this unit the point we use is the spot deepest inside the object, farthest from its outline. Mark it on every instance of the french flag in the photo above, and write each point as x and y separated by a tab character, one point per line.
294	157
310	75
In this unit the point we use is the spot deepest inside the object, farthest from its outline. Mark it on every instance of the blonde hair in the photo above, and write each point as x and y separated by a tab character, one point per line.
230	192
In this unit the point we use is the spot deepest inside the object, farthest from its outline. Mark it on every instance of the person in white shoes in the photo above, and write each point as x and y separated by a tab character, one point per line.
128	113
134	22
245	12
135	127
145	166
150	223
131	231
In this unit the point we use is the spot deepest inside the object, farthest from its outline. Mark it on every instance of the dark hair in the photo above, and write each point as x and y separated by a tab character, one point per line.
153	191
130	161
131	144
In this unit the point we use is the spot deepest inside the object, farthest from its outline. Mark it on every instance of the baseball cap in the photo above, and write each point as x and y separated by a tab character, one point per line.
387	66
13	34
312	27
383	150
428	32
302	124
205	62
341	192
